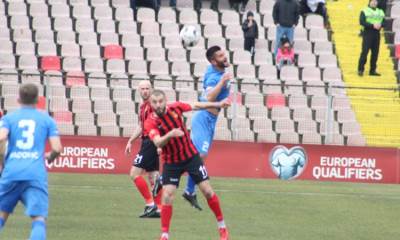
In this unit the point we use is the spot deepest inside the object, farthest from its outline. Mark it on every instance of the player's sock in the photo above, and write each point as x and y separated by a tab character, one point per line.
157	199
2	222
190	186
144	189
38	230
164	235
166	215
214	205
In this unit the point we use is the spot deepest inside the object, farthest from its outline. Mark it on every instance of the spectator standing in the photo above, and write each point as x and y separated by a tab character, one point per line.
371	19
172	3
250	31
285	55
286	17
238	5
314	6
197	5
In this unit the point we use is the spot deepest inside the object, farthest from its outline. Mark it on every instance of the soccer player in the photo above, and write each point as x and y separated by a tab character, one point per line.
167	130
147	158
24	175
216	87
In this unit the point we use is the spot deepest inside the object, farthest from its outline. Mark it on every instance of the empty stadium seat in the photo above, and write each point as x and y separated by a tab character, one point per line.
166	15
314	21
50	63
62	117
75	79
113	52
275	100
397	51
187	16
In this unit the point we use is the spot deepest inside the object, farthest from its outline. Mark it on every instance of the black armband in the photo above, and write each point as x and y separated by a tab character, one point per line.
53	156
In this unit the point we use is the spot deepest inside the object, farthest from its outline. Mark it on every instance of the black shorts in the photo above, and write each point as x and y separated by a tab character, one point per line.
194	167
147	158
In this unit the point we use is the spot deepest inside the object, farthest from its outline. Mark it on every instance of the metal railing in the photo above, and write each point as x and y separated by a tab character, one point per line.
331	110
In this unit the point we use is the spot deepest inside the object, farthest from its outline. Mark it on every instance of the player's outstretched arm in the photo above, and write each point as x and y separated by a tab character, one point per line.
56	148
134	136
162	141
204	105
213	93
3	144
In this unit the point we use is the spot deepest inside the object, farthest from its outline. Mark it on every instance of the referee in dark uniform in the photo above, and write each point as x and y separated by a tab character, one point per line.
371	18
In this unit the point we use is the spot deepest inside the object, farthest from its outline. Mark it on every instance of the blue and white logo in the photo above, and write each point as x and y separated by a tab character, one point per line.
288	163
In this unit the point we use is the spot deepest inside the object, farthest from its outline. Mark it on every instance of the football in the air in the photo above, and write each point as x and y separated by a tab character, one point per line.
190	35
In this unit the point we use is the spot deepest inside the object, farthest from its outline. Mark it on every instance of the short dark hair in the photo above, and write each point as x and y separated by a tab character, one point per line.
211	51
158	92
284	40
28	94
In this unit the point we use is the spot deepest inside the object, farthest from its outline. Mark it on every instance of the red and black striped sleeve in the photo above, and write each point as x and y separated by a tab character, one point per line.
183	107
150	128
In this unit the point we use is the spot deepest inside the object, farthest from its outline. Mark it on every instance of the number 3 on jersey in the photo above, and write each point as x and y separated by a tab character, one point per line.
28	138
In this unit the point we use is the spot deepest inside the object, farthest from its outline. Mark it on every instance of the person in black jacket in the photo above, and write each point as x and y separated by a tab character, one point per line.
286	17
197	5
314	6
371	19
236	3
250	31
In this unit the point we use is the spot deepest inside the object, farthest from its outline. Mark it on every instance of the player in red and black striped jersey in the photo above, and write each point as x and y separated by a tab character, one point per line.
147	158
177	149
166	129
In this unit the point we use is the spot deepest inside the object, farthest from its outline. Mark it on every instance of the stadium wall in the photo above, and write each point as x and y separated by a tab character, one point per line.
105	155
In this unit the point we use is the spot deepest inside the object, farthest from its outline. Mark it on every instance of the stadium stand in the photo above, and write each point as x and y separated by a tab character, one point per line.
91	55
376	110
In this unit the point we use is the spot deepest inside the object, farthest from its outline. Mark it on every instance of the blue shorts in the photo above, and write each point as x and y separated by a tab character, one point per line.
33	194
202	131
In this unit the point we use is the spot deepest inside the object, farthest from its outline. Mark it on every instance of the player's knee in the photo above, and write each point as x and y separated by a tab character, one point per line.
208	193
152	177
132	176
135	172
168	198
168	195
206	190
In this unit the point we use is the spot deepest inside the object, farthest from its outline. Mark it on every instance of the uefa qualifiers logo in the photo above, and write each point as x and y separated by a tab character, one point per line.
288	163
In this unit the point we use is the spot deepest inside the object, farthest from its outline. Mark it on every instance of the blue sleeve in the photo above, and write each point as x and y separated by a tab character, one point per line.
52	128
211	82
5	123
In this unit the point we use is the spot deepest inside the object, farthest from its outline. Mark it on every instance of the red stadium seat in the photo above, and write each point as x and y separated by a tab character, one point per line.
41	104
238	99
75	79
50	63
275	100
64	116
397	53
113	52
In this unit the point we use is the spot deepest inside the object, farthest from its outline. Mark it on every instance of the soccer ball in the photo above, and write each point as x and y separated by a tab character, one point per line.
190	35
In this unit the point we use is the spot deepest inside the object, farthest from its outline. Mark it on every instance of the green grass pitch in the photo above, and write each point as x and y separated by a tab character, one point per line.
106	207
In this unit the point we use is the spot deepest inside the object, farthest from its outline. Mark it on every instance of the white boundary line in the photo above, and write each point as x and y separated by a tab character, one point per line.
313	194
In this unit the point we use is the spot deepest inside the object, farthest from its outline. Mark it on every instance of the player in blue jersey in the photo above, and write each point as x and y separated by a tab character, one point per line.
24	175
216	87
